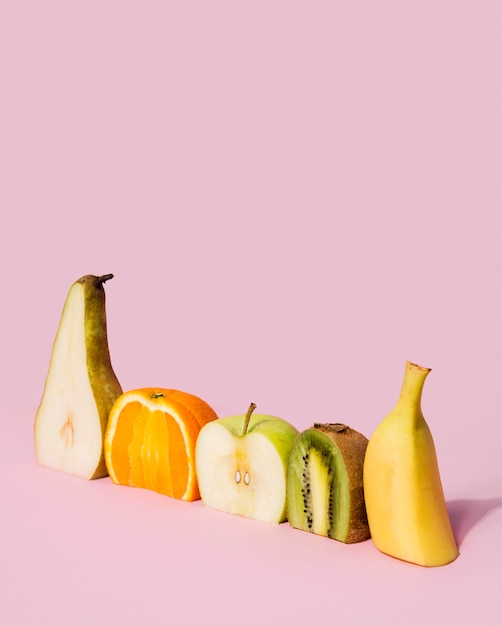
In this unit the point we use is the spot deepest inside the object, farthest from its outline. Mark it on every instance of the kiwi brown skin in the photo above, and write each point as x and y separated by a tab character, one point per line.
352	446
340	450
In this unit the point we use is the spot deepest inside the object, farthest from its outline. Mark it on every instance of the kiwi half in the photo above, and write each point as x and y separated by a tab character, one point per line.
325	483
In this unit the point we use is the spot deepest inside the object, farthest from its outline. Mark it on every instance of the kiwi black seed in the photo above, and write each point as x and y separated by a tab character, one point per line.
325	483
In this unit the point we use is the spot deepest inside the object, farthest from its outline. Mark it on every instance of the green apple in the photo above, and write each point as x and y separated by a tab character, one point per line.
241	465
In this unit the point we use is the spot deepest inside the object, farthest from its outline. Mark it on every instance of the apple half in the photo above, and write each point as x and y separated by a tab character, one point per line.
241	464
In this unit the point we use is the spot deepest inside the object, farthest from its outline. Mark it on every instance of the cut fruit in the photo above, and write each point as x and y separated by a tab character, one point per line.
150	440
325	483
80	387
407	511
242	463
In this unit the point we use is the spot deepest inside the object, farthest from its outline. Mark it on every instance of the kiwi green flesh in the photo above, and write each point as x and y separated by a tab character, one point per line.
324	489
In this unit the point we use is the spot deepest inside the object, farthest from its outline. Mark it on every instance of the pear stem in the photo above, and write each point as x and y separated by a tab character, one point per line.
104	278
247	417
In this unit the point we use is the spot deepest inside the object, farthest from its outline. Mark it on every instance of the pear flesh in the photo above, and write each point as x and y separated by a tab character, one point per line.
80	387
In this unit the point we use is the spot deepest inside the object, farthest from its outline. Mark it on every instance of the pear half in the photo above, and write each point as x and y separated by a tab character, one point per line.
80	387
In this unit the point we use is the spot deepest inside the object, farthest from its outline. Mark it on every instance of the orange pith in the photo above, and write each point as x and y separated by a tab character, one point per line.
150	440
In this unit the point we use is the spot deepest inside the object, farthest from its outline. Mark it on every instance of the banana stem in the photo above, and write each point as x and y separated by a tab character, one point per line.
413	383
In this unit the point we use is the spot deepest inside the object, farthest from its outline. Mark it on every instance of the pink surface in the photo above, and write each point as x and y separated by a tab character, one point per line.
294	199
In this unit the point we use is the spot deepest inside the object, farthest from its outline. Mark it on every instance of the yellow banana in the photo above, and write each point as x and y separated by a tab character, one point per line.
405	504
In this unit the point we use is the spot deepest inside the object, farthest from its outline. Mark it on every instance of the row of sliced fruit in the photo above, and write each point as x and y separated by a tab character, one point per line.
328	480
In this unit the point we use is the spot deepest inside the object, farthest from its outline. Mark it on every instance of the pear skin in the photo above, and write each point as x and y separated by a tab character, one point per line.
80	387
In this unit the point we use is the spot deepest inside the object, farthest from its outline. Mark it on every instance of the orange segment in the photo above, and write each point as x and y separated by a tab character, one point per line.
150	440
135	450
178	458
119	455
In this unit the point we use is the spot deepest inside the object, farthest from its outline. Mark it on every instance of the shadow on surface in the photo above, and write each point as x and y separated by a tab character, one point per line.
466	514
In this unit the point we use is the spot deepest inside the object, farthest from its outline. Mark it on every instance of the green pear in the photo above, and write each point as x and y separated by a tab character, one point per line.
80	387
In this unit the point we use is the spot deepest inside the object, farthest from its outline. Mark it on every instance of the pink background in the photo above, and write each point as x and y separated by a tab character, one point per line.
294	198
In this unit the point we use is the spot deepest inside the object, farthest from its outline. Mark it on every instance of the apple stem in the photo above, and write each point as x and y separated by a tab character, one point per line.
252	407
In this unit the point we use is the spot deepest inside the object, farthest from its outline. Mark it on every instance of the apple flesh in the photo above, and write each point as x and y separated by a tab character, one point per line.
242	469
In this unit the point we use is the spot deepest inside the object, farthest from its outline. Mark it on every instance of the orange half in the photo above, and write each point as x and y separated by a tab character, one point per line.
150	440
